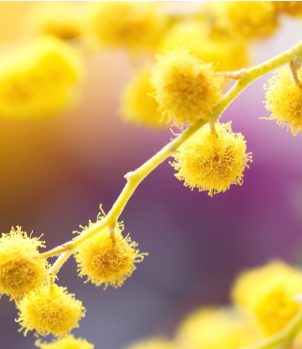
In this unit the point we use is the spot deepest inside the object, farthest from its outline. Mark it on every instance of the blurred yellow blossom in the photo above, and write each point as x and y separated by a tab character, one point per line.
226	52
186	89
128	25
138	101
269	294
64	21
37	80
210	328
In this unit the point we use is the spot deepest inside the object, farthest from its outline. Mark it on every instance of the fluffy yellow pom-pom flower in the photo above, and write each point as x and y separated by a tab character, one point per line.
211	328
186	89
21	268
68	342
226	52
138	102
50	310
250	19
268	293
212	161
284	100
61	20
128	25
153	343
107	259
37	79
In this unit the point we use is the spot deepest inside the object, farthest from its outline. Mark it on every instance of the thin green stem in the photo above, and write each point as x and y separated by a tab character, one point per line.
135	177
55	268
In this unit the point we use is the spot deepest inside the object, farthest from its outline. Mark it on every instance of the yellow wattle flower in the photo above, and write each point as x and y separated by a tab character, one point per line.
21	268
138	103
225	52
212	162
50	310
133	26
107	260
248	19
210	328
268	293
186	89
283	99
38	80
61	20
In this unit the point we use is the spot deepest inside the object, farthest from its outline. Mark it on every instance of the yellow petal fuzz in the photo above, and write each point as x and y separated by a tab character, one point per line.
107	261
283	99
212	162
138	102
21	268
226	52
37	80
210	328
50	310
68	342
61	20
186	89
129	25
153	343
269	294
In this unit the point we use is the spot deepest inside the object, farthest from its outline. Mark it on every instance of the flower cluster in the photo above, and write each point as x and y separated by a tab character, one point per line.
126	25
107	260
61	20
284	99
38	79
251	19
50	310
185	70
212	161
269	294
186	89
264	303
21	268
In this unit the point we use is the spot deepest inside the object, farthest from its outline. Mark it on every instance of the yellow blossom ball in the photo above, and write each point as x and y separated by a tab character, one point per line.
138	102
212	161
210	328
153	343
269	294
38	79
250	19
283	99
68	342
226	52
107	260
50	310
61	20
291	8
129	25
186	89
21	268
